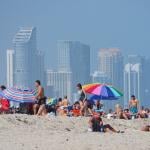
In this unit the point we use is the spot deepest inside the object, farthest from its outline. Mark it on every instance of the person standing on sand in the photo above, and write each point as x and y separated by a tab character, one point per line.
82	100
133	105
41	100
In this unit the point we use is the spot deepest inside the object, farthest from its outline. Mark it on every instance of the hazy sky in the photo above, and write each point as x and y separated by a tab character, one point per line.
99	23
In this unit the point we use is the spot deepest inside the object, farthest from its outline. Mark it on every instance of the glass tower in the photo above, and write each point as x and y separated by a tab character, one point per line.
25	50
74	57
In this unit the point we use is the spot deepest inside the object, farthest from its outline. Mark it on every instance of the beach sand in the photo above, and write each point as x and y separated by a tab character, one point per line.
25	132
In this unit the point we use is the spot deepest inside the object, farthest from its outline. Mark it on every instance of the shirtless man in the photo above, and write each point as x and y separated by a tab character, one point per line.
41	100
133	105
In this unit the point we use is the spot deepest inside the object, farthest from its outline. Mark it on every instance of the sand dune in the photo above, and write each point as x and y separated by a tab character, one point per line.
23	132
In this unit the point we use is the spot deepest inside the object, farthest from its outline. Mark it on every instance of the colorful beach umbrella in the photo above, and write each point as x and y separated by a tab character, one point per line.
102	91
19	95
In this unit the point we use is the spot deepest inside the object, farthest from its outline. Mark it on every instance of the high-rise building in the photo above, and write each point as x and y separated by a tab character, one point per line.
61	83
136	75
74	57
132	82
25	57
10	67
110	63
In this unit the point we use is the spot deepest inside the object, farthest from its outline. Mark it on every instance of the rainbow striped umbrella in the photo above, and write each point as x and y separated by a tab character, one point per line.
102	91
19	95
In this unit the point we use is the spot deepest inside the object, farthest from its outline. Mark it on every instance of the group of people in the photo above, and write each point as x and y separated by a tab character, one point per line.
132	112
84	107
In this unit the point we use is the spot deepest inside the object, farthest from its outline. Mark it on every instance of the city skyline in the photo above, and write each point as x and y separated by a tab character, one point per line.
93	44
73	66
116	27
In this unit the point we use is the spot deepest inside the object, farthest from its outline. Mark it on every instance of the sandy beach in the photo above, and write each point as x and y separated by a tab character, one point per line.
24	132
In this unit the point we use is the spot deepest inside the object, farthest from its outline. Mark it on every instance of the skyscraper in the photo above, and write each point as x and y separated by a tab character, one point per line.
110	63
136	75
61	83
25	57
74	57
132	82
10	67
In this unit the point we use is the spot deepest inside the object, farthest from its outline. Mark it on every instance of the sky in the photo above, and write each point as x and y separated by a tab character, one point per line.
124	24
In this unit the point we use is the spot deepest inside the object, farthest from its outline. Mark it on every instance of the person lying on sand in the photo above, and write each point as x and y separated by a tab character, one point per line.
96	125
146	128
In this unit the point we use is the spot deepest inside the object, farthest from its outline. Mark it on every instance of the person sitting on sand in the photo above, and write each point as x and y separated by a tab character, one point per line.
96	125
89	108
41	99
146	128
65	102
127	113
76	109
133	105
59	105
4	103
98	106
147	111
63	108
120	113
142	113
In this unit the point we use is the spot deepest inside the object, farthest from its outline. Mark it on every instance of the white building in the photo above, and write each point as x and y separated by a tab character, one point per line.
10	68
25	57
132	82
61	83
